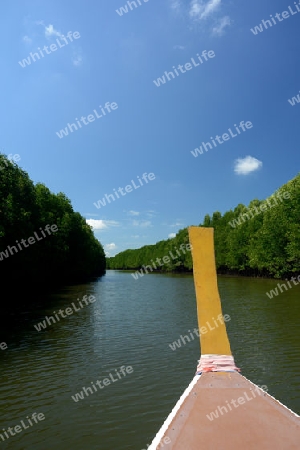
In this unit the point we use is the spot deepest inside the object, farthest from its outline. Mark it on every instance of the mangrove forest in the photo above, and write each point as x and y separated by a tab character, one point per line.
261	239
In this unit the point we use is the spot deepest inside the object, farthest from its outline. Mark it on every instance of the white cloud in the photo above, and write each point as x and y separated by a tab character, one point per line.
218	30
135	236
102	224
200	9
133	213
243	166
77	61
176	224
50	31
111	246
178	47
171	235
142	223
176	5
151	213
77	58
27	39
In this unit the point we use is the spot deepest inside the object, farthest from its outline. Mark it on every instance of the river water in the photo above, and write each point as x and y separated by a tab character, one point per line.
132	323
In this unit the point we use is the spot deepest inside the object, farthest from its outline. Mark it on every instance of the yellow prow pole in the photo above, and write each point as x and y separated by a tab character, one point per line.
221	409
212	328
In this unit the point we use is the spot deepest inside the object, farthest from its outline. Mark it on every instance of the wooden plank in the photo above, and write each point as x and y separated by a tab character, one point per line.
207	294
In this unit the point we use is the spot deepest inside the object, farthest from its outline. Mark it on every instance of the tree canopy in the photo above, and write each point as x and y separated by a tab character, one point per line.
69	255
262	239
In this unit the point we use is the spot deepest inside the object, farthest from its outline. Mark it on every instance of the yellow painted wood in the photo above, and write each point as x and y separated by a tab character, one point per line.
212	328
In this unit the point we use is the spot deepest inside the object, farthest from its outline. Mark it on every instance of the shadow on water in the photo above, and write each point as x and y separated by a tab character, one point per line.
23	308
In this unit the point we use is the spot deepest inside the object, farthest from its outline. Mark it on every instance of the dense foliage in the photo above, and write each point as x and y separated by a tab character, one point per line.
262	239
134	259
70	254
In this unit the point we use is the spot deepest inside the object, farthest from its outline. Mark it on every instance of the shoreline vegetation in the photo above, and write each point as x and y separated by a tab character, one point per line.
264	245
69	255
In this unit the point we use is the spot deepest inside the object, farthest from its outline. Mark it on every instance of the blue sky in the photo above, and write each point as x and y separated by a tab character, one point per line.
153	129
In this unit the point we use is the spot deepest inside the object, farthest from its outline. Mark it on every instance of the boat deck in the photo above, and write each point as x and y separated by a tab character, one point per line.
244	417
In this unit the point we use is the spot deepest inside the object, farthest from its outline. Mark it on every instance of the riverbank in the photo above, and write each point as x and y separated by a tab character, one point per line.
227	274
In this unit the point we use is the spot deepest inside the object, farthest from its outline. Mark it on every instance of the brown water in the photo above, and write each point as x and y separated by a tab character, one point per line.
131	323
